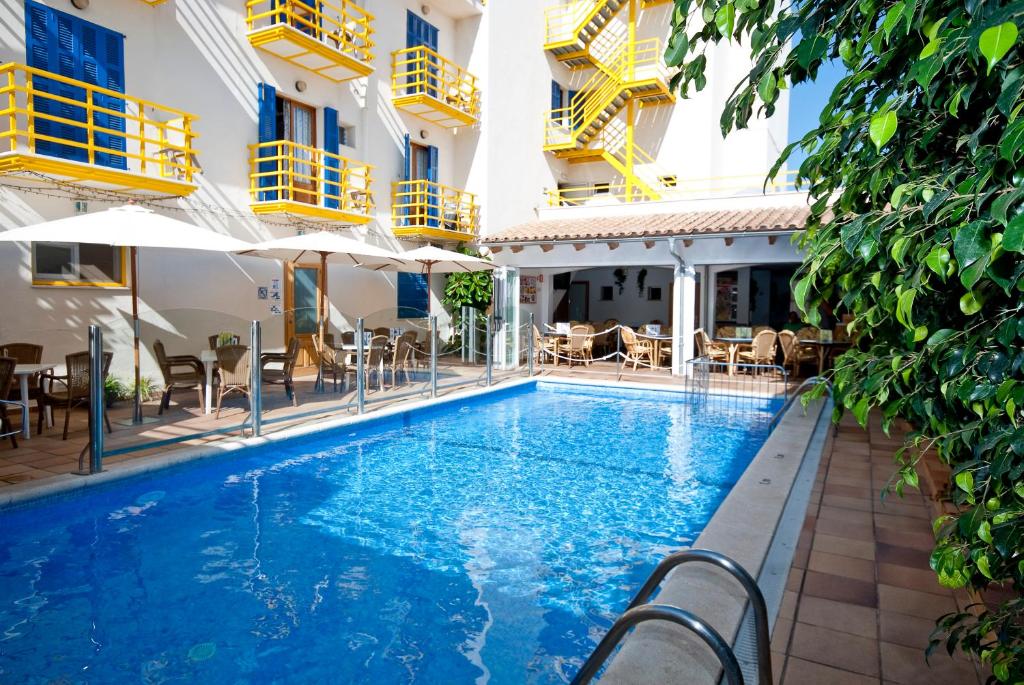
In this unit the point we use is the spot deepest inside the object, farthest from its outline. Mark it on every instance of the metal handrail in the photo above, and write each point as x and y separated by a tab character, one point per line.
764	657
660	612
810	382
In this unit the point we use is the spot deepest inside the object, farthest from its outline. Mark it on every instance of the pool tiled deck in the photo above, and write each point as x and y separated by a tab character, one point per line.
861	600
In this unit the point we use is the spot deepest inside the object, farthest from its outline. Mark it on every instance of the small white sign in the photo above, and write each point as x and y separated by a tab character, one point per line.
654	329
563	328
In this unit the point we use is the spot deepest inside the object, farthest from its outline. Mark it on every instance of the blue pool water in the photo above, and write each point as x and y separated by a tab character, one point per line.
489	540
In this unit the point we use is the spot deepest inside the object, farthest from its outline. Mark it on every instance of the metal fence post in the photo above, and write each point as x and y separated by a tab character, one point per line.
618	351
529	347
433	356
96	406
490	350
256	396
360	367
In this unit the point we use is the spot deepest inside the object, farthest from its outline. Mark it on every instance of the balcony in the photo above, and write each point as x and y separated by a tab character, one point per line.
288	178
669	188
72	131
570	28
332	38
424	209
431	87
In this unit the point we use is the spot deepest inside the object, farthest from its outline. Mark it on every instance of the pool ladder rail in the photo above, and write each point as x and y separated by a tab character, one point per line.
639	611
808	384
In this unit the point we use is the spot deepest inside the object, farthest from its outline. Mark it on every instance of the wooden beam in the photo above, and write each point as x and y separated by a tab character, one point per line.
516	249
547	247
772	239
579	246
495	249
613	246
729	242
648	244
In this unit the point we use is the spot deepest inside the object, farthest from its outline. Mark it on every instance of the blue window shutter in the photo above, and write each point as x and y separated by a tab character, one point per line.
407	169
267	133
556	98
331	186
413	296
434	200
419	32
103	65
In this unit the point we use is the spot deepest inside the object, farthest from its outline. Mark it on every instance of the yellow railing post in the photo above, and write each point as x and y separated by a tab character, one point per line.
30	105
141	118
12	105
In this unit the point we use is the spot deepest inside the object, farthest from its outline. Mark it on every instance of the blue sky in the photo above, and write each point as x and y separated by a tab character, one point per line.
806	101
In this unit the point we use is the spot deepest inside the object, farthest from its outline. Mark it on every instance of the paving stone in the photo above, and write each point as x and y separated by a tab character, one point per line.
802	672
841	616
839	650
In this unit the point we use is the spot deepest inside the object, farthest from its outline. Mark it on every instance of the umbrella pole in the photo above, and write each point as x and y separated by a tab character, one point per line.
137	400
323	314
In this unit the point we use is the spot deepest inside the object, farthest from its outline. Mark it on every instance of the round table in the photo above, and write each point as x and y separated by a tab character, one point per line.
732	347
824	348
24	372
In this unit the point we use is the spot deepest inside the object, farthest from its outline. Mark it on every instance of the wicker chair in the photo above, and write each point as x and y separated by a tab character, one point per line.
180	372
382	330
762	350
703	346
23	353
375	359
235	368
7	365
793	353
581	344
637	351
76	388
402	356
273	375
544	346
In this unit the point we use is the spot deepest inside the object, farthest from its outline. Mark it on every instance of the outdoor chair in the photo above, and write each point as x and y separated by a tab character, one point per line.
7	365
184	372
215	338
375	359
402	356
75	383
726	332
331	362
382	330
544	345
23	353
235	363
272	374
580	344
705	347
793	353
762	350
637	351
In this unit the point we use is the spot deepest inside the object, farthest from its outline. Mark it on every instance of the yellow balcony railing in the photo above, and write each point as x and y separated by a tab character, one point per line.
562	23
288	178
671	188
333	38
431	210
434	88
73	130
154	3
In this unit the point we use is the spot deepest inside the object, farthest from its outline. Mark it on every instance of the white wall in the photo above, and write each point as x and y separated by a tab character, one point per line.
629	306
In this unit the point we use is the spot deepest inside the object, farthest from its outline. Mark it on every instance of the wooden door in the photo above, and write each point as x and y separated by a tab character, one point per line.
302	308
297	123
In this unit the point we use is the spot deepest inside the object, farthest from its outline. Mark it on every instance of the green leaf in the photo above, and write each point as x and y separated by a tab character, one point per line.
983	566
985	532
996	41
1013	236
676	50
965	481
1012	140
905	308
940	336
768	88
725	19
882	128
810	50
892	18
860	411
969	304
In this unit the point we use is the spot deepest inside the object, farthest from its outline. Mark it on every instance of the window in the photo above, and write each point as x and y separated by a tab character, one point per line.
413	296
602	188
669	181
347	135
77	264
654	294
607	293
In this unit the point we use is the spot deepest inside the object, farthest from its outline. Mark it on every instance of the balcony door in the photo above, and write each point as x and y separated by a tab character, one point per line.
421	165
296	123
302	308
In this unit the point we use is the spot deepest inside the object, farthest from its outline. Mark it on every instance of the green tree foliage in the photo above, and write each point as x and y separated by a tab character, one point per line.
468	289
916	178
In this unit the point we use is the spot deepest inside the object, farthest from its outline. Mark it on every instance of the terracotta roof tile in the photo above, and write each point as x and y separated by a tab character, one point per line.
754	220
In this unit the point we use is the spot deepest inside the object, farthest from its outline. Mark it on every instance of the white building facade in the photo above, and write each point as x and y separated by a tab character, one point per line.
397	122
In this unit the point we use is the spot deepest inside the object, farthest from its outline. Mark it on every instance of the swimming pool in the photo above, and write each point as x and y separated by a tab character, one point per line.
491	539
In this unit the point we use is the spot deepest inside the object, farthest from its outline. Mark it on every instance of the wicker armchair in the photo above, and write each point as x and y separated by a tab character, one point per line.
330	362
762	350
7	365
580	344
637	351
375	359
403	356
272	375
180	372
23	353
235	368
75	384
544	346
793	353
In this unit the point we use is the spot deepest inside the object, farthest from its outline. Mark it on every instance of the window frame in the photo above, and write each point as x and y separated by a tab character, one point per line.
55	281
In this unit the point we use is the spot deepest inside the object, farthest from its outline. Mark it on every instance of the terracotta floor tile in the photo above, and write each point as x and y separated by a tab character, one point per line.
863	518
901	629
787	610
845	529
795	579
923	579
902	556
904	507
860	549
914	602
838	501
907	666
780	635
846	618
848	491
901	538
801	672
840	589
848	567
908	524
840	650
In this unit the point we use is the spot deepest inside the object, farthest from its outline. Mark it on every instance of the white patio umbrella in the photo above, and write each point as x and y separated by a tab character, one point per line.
331	248
133	227
428	259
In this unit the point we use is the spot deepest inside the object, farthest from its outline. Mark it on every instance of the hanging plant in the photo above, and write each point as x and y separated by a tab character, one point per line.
641	278
620	279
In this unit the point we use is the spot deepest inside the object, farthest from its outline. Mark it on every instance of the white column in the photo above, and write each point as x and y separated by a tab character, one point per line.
684	309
